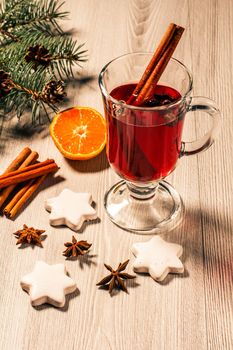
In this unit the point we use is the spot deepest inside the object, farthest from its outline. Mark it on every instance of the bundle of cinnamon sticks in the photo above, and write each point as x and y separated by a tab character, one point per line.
157	65
21	179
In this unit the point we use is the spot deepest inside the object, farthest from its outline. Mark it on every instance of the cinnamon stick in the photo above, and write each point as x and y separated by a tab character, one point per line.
26	169
31	158
154	61
22	196
18	160
27	175
17	197
158	64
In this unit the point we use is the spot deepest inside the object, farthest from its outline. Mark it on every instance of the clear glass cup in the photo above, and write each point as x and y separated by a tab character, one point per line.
145	143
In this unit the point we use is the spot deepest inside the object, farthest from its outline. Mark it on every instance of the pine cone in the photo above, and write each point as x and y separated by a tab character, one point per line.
39	55
5	83
54	91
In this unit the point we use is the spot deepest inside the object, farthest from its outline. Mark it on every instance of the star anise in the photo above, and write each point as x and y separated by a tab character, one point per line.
54	91
76	248
39	55
29	235
117	278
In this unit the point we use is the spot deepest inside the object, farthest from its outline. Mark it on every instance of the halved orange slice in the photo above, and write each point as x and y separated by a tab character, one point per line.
79	132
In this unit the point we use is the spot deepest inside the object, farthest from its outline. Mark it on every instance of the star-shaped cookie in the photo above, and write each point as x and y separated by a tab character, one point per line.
48	284
70	209
158	258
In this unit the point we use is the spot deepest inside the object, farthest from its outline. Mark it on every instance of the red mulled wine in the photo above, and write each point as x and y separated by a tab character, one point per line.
144	144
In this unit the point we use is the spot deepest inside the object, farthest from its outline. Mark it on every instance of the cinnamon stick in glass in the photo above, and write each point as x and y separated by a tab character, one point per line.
157	65
154	61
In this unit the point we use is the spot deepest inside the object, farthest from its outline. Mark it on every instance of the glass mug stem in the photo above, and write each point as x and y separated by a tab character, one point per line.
143	191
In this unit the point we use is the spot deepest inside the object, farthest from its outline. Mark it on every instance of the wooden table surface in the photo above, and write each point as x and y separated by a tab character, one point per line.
189	311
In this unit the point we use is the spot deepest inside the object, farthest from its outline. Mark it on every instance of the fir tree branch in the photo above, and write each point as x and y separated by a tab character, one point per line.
16	95
52	53
8	7
5	33
52	92
34	13
34	55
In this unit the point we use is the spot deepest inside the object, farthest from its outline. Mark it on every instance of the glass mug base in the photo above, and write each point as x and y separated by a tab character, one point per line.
161	212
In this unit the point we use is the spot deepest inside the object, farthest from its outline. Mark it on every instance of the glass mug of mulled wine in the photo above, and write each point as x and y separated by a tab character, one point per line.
144	143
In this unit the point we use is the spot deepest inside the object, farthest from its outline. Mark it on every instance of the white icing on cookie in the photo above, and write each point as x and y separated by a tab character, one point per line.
70	209
158	258
48	284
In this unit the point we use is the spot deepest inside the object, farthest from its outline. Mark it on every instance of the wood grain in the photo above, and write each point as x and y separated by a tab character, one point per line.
193	311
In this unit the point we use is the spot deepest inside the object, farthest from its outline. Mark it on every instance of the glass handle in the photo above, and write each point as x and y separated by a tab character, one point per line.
208	106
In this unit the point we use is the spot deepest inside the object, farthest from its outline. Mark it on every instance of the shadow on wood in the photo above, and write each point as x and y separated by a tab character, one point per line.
202	234
93	165
84	260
